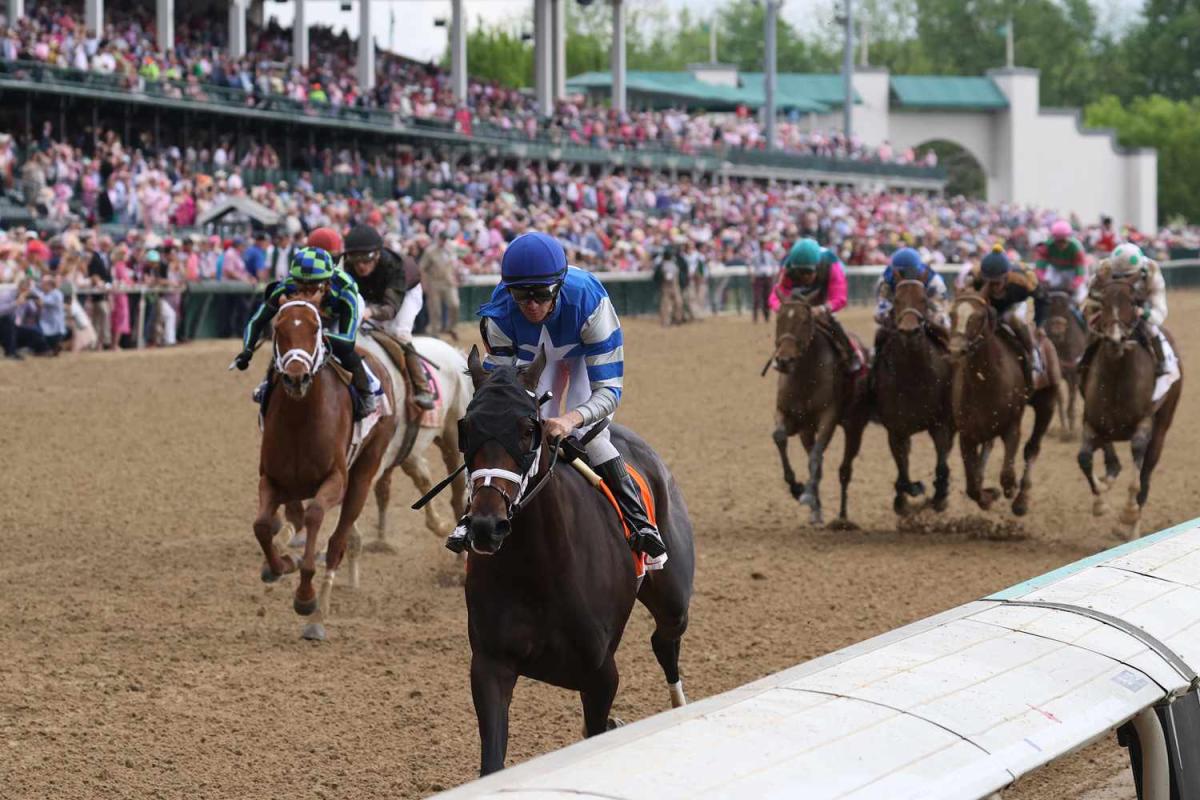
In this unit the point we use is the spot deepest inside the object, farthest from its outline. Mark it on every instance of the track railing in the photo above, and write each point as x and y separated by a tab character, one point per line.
956	706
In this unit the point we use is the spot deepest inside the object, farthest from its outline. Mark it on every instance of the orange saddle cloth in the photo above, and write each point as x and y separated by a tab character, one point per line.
639	559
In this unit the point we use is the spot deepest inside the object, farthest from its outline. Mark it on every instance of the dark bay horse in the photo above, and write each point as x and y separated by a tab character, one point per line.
305	446
550	576
1070	339
988	395
911	378
815	396
1118	387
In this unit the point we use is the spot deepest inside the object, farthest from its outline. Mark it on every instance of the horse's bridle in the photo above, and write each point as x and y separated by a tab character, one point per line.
311	360
920	315
524	494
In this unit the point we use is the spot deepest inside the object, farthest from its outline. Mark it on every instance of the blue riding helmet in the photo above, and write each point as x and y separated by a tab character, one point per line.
907	265
804	256
995	265
533	259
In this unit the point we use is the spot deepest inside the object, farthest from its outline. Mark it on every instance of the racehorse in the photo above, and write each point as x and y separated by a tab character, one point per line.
1118	386
450	376
988	395
814	397
304	456
911	378
1070	340
550	577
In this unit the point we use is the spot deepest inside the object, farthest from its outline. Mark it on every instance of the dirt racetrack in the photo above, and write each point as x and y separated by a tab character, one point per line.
140	656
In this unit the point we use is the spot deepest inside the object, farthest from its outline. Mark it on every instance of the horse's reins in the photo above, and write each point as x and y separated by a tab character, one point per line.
778	343
311	360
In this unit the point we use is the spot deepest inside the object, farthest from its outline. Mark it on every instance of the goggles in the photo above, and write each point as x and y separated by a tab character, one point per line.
534	294
361	256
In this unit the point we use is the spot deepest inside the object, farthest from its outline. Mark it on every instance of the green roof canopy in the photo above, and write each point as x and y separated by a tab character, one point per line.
685	87
946	91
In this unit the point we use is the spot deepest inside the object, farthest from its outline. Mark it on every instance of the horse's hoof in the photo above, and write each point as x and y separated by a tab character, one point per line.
380	546
841	524
900	505
1010	491
940	503
267	574
795	490
816	519
305	608
1130	516
1020	506
297	542
1099	507
808	499
313	632
615	722
916	489
1067	436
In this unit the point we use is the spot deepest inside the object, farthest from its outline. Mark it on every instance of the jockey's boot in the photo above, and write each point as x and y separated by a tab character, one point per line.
1154	339
643	536
846	351
416	373
362	382
263	390
456	542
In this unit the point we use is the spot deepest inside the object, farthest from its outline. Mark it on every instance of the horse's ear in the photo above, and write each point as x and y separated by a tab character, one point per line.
475	367
533	373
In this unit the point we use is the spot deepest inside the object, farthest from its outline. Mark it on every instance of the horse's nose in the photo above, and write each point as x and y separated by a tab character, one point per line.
488	534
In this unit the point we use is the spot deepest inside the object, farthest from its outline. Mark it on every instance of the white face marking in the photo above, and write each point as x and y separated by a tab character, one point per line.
963	316
296	323
791	312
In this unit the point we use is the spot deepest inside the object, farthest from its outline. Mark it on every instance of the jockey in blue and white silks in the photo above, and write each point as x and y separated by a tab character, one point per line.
543	303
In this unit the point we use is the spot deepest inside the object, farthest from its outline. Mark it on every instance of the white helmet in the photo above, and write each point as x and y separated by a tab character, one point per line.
1126	259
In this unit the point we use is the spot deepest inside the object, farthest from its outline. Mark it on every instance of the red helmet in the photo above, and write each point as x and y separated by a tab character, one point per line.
327	239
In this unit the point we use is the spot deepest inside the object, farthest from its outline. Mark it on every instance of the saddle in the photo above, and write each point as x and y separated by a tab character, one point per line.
395	350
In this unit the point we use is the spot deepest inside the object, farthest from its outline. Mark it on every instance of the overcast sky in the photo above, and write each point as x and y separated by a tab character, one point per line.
414	34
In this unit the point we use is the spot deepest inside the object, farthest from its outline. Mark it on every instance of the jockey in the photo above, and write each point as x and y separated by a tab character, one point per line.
543	303
815	274
390	286
1061	262
314	277
329	240
906	265
1126	263
1007	286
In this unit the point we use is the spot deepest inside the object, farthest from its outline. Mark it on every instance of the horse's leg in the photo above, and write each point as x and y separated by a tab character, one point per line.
1087	449
1043	410
383	495
418	472
854	432
265	528
943	443
294	512
815	445
328	496
900	446
1008	470
598	699
971	471
1061	404
1131	515
492	685
1112	466
780	437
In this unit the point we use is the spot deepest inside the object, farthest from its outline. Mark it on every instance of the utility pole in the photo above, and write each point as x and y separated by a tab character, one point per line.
1008	43
770	21
712	39
848	72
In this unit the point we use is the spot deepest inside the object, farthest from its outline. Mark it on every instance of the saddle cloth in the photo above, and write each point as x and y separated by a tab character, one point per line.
639	559
362	429
434	417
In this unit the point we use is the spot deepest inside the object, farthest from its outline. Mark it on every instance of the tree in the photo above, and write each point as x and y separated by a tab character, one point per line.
1164	50
498	53
1171	126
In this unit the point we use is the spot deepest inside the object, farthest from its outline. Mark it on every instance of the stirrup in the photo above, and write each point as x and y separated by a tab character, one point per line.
456	542
423	400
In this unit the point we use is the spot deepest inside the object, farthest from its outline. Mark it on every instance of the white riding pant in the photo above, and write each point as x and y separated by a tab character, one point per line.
1170	363
401	325
600	450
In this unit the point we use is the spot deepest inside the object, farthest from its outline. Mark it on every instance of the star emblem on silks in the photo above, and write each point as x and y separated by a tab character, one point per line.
554	354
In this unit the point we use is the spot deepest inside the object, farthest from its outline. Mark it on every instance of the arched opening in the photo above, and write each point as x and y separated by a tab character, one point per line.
964	173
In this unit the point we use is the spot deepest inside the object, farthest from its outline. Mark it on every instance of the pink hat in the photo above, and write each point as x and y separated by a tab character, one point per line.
1060	229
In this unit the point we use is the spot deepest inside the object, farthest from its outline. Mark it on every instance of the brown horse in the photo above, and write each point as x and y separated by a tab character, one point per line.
304	456
1069	337
550	577
989	394
911	378
1118	386
814	397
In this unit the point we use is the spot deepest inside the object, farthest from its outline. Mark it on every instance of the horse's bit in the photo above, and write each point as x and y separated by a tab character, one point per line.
310	360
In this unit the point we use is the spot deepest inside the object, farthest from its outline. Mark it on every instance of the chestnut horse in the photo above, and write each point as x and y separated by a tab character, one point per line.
911	379
989	394
1070	339
1118	386
550	576
815	396
304	455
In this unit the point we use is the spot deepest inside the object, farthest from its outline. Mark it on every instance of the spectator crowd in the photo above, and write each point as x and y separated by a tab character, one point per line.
198	67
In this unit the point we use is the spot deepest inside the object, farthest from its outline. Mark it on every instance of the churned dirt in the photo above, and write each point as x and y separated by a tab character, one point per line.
140	656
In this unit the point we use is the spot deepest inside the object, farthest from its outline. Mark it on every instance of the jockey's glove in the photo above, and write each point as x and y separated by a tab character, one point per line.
242	362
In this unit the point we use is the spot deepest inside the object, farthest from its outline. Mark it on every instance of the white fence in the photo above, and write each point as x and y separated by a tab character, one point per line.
958	705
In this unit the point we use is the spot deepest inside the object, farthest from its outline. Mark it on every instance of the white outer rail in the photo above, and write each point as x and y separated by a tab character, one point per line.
958	705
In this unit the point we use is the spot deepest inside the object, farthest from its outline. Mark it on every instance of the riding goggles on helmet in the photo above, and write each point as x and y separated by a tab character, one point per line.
361	256
534	294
